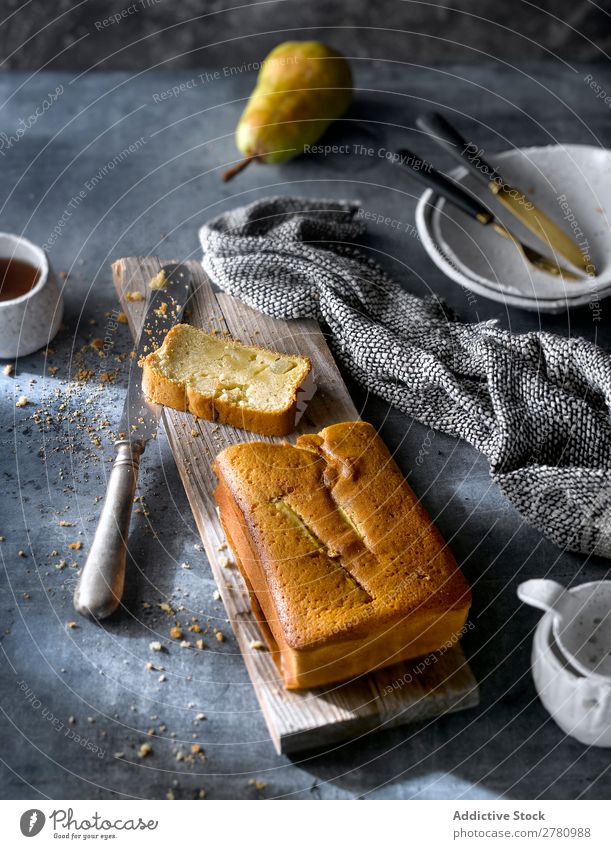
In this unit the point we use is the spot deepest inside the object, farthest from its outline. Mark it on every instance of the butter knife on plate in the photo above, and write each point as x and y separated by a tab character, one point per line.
456	195
512	198
100	585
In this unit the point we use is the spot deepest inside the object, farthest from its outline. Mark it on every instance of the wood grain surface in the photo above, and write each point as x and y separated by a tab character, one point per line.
404	693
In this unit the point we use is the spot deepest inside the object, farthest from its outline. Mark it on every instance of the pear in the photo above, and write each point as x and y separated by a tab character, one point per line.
302	87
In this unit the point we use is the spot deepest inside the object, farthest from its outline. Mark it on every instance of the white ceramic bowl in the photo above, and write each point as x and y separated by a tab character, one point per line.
580	705
31	321
477	258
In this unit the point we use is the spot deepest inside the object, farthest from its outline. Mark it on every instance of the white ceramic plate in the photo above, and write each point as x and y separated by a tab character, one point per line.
570	183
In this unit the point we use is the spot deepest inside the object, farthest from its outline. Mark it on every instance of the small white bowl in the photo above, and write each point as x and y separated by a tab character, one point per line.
31	321
580	705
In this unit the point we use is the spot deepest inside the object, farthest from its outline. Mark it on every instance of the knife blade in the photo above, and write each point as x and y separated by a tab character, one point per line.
140	416
540	224
512	198
100	585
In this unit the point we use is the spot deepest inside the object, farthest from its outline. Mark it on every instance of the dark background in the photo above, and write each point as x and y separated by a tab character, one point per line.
172	35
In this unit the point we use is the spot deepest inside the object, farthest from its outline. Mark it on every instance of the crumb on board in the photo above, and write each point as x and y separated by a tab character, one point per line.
135	296
122	318
156	646
8	369
71	625
75	546
22	401
257	645
158	281
176	633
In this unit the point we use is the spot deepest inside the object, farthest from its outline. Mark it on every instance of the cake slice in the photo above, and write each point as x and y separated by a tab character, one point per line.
219	379
346	571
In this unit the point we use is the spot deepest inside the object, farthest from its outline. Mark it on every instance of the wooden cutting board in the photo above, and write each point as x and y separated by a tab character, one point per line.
407	692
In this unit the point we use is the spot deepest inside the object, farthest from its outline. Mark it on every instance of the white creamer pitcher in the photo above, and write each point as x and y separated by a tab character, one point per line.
571	656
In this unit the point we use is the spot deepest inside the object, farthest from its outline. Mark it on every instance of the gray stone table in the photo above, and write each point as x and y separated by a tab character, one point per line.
121	164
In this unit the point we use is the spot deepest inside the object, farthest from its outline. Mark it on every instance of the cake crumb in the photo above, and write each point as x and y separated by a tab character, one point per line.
63	523
257	783
156	646
176	633
22	401
257	645
71	625
76	546
135	296
122	318
220	636
158	281
8	369
145	750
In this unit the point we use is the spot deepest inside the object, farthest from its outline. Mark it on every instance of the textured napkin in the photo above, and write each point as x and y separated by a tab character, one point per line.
537	405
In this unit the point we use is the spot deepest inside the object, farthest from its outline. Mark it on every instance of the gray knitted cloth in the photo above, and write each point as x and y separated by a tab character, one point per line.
536	405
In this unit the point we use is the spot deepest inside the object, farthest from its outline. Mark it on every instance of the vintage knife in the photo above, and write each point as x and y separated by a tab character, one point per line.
513	199
100	586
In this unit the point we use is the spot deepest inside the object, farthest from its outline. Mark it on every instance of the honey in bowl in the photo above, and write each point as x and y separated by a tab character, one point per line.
17	278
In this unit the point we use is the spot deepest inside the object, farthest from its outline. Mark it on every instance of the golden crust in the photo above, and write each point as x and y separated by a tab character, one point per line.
181	396
346	567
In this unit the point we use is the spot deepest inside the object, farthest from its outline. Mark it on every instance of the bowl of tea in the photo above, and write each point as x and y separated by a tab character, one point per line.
31	306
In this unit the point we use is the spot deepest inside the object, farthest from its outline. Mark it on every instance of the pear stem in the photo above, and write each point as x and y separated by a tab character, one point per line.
233	172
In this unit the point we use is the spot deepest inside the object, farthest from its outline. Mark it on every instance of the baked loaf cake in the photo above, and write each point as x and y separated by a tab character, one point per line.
219	379
345	570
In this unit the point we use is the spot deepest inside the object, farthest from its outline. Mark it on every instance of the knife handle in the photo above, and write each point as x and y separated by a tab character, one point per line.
100	586
428	175
448	137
